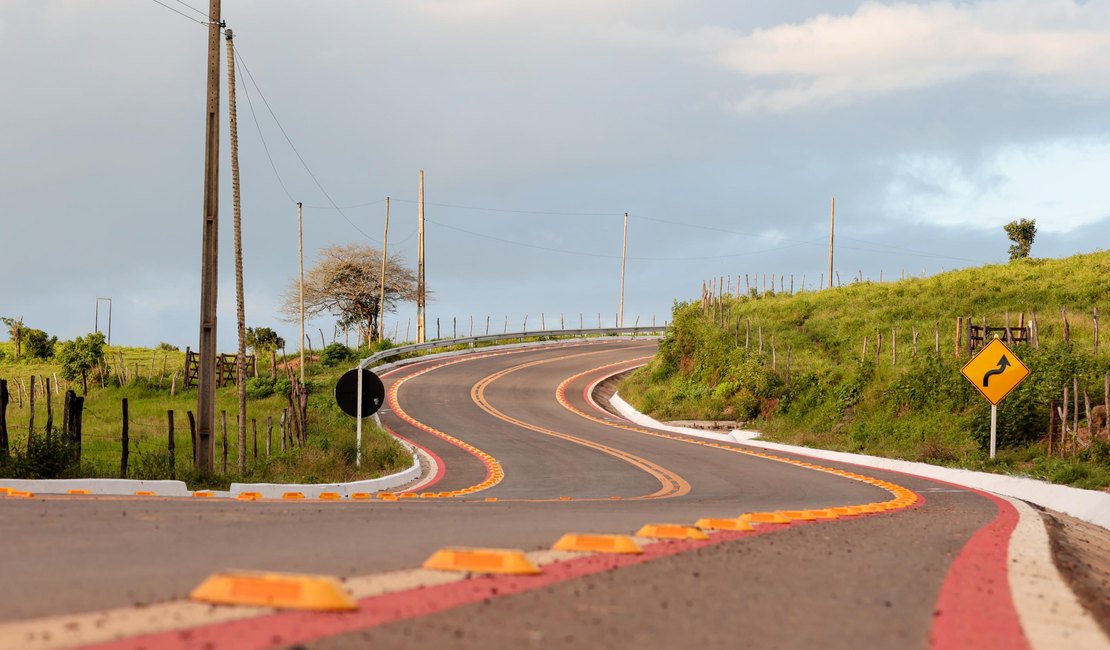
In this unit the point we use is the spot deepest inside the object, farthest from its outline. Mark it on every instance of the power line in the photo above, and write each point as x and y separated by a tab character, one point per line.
509	211
182	13
186	4
265	147
289	141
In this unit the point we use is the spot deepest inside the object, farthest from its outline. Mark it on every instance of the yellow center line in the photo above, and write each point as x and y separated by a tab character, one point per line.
672	485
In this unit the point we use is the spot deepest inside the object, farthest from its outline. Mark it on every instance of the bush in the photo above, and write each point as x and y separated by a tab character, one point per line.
167	347
282	386
335	354
45	457
260	387
38	344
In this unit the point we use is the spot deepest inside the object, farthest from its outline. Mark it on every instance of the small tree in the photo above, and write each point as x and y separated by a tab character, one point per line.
346	283
1021	233
15	333
79	356
40	345
264	339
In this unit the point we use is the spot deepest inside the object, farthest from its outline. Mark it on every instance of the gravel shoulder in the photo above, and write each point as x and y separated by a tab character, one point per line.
1081	552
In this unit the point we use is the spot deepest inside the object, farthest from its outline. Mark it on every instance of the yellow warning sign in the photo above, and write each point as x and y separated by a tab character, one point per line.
995	371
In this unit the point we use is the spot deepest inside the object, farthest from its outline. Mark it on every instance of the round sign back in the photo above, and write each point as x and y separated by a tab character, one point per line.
346	393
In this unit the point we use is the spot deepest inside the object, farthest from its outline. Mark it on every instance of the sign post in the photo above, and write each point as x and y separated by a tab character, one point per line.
995	371
359	393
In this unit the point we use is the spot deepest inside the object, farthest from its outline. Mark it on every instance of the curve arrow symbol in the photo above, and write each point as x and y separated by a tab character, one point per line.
1003	363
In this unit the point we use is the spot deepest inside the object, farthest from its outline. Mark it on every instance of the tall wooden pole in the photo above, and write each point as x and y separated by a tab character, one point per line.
832	225
300	257
385	253
206	378
420	290
624	252
240	314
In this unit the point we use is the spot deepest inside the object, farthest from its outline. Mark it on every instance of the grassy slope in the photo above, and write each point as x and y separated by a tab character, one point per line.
326	458
921	408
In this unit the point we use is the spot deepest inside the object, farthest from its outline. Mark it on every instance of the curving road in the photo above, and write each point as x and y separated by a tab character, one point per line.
523	455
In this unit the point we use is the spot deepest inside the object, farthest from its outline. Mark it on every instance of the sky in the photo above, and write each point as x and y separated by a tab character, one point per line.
722	128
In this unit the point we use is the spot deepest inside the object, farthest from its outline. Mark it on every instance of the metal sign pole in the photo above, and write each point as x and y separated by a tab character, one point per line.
358	424
994	428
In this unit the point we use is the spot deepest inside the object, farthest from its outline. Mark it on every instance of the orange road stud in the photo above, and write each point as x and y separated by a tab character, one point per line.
292	496
409	495
387	496
360	496
22	494
765	518
824	513
724	524
598	544
446	494
76	492
846	511
428	495
491	499
283	591
145	493
566	498
248	496
482	560
330	496
671	531
799	515
5	491
203	495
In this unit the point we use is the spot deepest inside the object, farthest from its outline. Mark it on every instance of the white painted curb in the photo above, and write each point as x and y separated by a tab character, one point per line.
1089	505
100	486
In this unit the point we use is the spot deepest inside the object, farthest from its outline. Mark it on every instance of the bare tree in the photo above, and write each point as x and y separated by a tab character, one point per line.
345	283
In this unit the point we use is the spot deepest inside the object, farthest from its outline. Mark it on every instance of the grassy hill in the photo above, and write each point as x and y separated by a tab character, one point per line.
817	382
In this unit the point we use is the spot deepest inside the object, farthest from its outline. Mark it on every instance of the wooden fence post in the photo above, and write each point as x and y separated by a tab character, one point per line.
269	434
1094	315
76	413
1067	326
959	335
171	445
49	408
914	330
254	434
1051	424
31	416
193	434
126	446
223	440
4	399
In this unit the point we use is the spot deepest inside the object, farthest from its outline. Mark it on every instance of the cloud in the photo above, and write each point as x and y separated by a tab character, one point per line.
888	48
1057	183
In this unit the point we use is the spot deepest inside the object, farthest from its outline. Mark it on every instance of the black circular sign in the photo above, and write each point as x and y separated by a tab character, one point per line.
346	393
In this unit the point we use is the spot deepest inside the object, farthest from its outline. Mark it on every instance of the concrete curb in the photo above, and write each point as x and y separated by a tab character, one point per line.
98	486
1089	505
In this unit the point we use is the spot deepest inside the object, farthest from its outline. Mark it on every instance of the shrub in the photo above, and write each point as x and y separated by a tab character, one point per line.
335	354
39	344
282	386
45	457
167	347
260	387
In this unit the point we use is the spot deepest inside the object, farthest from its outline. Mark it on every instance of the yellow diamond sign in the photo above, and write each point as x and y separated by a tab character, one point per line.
995	371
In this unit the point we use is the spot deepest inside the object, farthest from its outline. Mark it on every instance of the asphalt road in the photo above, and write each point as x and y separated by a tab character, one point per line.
838	584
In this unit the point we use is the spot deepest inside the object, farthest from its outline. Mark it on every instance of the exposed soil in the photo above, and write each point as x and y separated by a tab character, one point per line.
1082	554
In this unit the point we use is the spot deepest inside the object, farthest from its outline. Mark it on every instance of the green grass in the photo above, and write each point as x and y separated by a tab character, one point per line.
327	457
820	389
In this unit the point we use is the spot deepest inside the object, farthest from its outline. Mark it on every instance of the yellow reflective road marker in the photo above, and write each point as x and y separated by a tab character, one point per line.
724	524
482	560
281	590
765	518
74	492
598	543
671	531
994	372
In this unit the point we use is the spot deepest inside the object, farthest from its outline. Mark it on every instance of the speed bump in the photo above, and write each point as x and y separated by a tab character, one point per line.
482	560
724	524
280	590
671	531
765	518
598	543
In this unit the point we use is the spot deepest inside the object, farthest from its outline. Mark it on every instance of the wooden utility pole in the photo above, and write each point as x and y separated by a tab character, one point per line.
385	253
624	254
209	282
420	290
832	226
240	315
300	258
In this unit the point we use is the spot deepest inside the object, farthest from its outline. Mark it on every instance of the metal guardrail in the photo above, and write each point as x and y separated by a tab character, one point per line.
471	340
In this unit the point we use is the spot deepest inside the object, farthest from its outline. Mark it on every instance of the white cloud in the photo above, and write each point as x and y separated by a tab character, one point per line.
1060	184
887	48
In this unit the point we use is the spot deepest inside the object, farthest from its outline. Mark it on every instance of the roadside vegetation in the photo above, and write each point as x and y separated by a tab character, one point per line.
327	456
814	381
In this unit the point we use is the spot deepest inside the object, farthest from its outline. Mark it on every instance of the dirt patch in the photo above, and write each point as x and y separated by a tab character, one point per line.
1081	552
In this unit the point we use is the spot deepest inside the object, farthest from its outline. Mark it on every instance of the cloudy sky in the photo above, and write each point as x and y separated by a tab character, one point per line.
722	128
